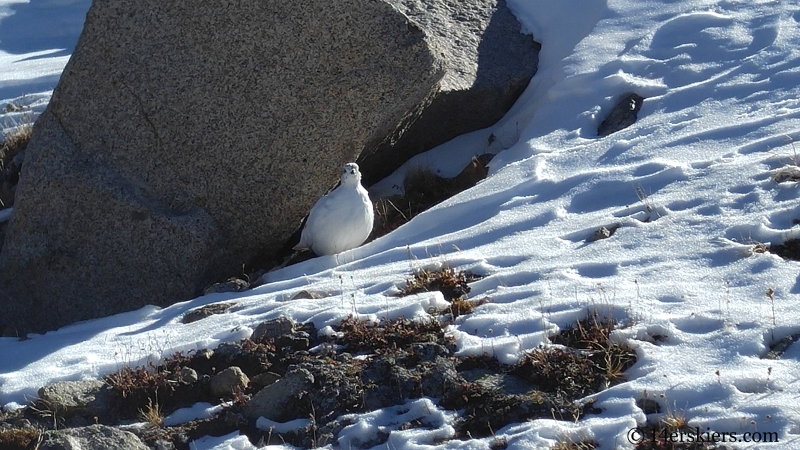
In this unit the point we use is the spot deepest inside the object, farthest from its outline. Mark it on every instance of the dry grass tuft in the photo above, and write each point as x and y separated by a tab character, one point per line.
591	363
19	438
152	413
594	334
452	284
562	371
17	133
590	333
15	140
133	388
461	306
674	420
364	335
580	445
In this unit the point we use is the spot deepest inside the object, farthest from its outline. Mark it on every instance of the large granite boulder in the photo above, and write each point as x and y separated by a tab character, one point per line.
185	138
489	62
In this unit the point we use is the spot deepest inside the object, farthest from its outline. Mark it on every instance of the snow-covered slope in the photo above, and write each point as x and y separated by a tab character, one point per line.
690	184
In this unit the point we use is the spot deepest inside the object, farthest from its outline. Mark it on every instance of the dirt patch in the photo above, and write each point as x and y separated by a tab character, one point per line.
776	349
790	249
363	366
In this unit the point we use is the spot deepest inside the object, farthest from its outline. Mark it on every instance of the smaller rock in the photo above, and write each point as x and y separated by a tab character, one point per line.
777	349
603	233
228	382
438	377
73	398
648	406
10	107
205	311
622	116
272	329
430	351
12	169
265	379
504	383
227	351
162	444
229	285
188	375
204	354
94	437
308	295
275	402
297	341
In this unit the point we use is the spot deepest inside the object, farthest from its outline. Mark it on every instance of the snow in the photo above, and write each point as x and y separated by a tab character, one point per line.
36	40
200	410
366	427
281	427
690	185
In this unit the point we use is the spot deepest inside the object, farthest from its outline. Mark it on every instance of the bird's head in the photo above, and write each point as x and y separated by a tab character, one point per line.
351	174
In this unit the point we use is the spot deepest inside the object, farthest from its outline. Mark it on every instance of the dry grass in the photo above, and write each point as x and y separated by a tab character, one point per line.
580	445
19	438
672	432
453	285
587	361
15	139
674	420
44	409
562	371
363	335
593	332
789	172
133	388
152	413
463	306
591	363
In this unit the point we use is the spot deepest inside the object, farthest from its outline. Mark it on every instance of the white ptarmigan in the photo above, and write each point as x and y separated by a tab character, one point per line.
340	220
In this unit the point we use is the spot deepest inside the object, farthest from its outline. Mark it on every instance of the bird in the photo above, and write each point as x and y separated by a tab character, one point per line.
342	219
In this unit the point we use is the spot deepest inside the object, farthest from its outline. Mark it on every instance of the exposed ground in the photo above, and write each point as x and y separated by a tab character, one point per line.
363	366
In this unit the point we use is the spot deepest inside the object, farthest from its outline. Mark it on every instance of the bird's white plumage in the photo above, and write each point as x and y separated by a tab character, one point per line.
340	220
